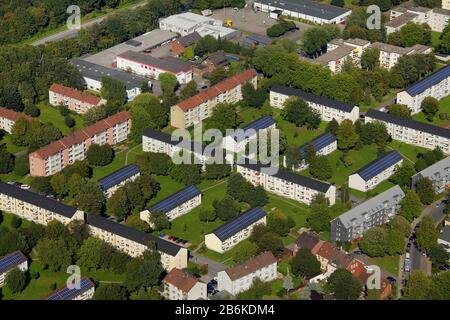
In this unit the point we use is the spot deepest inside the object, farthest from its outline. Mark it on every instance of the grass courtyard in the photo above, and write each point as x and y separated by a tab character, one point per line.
50	114
444	106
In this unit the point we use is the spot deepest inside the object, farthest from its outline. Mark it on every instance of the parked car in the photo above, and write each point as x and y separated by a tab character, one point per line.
11	183
25	187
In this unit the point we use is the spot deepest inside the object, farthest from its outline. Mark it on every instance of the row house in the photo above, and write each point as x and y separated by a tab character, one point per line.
234	231
199	107
390	54
134	242
286	184
411	131
10	262
85	291
112	182
179	285
9	117
36	208
436	85
64	152
75	100
328	109
372	174
376	211
438	173
240	278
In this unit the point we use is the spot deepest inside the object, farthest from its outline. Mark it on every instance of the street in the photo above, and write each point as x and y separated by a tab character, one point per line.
213	266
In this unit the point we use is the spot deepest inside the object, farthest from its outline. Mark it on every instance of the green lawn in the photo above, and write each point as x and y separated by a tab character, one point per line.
444	106
7	221
50	114
10	146
388	263
373	104
435	41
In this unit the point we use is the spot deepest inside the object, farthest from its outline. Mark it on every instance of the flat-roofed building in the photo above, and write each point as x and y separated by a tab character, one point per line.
134	242
199	107
313	11
59	154
438	173
218	32
148	66
376	211
436	85
175	205
284	183
372	174
234	231
9	117
335	59
390	54
179	285
33	207
119	178
411	131
75	100
186	23
327	108
240	277
85	291
10	262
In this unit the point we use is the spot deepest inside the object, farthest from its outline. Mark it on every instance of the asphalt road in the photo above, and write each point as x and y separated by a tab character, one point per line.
213	266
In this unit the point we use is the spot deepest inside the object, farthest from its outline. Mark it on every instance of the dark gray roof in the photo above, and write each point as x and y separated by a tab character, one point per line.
192	145
401	121
319	142
97	72
307	7
132	234
380	164
433	79
259	39
189	39
176	199
37	200
171	64
218	58
307	241
445	234
313	98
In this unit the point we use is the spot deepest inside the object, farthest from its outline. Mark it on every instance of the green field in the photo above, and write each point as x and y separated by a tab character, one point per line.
435	41
50	114
388	263
444	106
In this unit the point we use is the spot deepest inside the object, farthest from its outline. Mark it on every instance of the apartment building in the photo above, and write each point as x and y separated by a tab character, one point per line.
11	261
175	205
179	285
134	242
438	173
148	66
64	152
444	238
199	107
436	85
9	117
84	292
33	207
234	231
75	100
240	277
390	54
446	4
412	132
372	174
118	179
327	108
286	184
376	211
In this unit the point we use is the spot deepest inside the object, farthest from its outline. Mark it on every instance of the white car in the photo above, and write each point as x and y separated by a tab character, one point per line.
25	187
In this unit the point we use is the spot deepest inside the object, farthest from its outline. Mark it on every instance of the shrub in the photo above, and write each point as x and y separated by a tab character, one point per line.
16	222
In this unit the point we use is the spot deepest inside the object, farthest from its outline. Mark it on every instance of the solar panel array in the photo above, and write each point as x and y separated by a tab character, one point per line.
176	199
239	223
69	294
260	124
429	81
320	142
119	176
379	165
11	261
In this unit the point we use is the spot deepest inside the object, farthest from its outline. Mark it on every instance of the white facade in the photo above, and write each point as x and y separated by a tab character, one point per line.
109	192
237	143
436	18
438	173
321	152
446	4
22	267
186	23
182	209
355	181
178	285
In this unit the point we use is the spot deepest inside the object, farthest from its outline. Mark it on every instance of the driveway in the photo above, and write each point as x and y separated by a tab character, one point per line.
213	266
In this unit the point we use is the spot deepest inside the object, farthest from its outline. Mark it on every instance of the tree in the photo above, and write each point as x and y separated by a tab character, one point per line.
270	241
370	58
305	264
186	173
279	223
332	126
159	220
430	106
427	234
217	171
257	196
146	112
418	286
258	290
90	254
224	116
118	205
207	215
343	285
395	242
439	286
21	165
298	112
6	160
315	39
425	190
113	90
320	168
16	222
411	34
338	3
100	155
346	135
31	110
41	185
411	207
218	75
253	98
167	81
400	110
16	280
189	90
90	199
94	115
246	251
54	254
110	291
400	224
375	242
154	163
227	208
319	219
438	255
374	132
144	272
403	174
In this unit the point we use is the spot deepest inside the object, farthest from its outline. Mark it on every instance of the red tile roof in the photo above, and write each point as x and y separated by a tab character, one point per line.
75	94
217	89
79	136
12	115
183	281
260	261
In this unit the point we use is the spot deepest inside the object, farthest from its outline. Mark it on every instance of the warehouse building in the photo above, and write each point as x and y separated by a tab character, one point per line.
175	205
376	211
186	23
313	11
179	285
84	292
234	231
411	131
75	100
117	179
9	117
10	262
327	108
372	174
438	173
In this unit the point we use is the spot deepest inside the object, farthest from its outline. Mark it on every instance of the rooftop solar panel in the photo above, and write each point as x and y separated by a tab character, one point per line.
379	165
69	294
11	261
176	199
119	176
239	223
429	81
260	124
319	143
